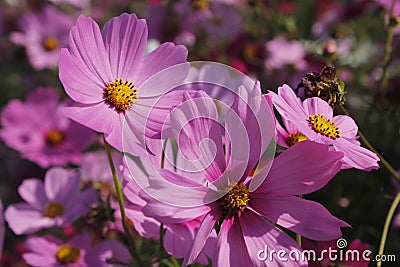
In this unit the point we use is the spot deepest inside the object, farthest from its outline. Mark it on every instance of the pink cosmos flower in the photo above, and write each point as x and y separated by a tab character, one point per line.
43	34
107	73
313	119
56	202
225	197
282	53
41	133
78	251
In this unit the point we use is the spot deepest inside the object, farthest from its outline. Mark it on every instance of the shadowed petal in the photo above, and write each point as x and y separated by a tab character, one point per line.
32	191
308	218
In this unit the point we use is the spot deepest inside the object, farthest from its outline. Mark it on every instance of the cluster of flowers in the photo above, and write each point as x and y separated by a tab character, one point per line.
199	170
214	167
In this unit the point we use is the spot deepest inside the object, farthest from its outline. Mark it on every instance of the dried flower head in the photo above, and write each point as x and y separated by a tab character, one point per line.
324	85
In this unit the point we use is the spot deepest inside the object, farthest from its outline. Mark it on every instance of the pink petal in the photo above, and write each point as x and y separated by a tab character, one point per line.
204	231
308	218
292	173
348	127
146	226
88	54
61	184
231	248
125	39
163	81
165	56
316	105
32	191
98	117
79	82
22	219
357	156
259	234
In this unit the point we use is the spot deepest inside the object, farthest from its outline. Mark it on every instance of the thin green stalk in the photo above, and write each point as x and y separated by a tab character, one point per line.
298	236
388	50
386	227
368	144
161	245
118	190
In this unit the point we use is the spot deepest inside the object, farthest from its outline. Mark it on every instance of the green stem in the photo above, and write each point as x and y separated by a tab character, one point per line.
368	144
161	247
388	50
118	190
386	227
298	236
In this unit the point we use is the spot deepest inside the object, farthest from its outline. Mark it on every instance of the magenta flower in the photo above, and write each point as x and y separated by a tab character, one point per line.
313	120
43	34
56	202
108	75
76	252
41	133
228	200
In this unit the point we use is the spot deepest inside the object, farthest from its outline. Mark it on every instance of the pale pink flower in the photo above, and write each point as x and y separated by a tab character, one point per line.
107	73
56	202
313	120
41	133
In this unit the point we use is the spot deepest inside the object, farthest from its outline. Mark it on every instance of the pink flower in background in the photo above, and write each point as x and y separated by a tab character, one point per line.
282	53
56	202
108	75
78	251
43	34
237	212
77	3
41	133
314	121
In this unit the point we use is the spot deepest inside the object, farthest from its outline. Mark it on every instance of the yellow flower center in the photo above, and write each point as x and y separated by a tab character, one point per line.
53	210
249	52
200	4
67	254
120	95
324	126
296	138
50	43
236	199
54	137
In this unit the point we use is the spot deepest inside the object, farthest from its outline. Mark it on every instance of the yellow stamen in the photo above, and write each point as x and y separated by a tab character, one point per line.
236	199
54	137
296	138
67	254
324	126
53	210
120	95
51	43
200	4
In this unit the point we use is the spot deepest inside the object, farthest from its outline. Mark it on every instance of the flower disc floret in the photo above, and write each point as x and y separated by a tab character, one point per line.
67	254
236	199
120	95
53	210
296	138
50	43
324	126
199	4
54	137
